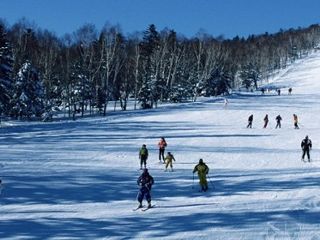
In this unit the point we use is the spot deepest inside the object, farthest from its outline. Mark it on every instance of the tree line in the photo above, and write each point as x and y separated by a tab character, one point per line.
84	71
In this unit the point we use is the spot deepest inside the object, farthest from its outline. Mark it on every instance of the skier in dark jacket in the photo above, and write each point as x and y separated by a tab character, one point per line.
278	119
250	119
306	146
145	181
279	92
143	156
202	170
266	120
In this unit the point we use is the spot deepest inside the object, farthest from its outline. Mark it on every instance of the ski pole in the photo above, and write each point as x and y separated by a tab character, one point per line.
210	181
137	195
193	181
1	187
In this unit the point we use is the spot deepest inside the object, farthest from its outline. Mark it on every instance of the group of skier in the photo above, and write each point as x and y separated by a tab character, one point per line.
278	91
266	121
168	159
278	121
145	180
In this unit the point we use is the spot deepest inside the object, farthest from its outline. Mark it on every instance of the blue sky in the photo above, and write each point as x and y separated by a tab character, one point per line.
216	17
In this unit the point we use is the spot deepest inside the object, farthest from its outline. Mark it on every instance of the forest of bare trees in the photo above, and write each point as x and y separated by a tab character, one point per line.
82	72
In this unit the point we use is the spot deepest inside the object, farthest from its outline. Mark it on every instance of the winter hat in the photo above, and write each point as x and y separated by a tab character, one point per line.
201	160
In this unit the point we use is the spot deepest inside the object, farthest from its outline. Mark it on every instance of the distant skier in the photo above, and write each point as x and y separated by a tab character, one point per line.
295	121
143	156
162	146
225	103
278	119
279	92
266	120
250	120
145	181
262	91
306	146
202	170
289	91
169	158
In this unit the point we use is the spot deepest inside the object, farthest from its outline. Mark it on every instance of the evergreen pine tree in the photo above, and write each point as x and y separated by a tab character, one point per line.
28	99
250	76
151	87
6	83
218	83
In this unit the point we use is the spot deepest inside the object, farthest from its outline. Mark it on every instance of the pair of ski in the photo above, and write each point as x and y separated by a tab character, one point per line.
306	161
143	209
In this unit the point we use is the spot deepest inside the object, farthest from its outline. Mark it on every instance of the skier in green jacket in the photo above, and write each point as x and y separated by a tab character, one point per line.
143	156
202	170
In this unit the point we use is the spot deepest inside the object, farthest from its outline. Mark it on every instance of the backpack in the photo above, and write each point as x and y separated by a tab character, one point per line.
143	152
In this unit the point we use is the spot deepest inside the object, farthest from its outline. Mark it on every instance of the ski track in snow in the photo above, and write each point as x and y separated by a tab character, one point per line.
77	180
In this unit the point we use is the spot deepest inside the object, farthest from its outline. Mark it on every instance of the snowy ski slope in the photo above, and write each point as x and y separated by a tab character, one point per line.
77	180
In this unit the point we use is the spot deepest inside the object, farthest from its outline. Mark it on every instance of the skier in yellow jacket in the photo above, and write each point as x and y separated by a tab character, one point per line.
202	170
169	158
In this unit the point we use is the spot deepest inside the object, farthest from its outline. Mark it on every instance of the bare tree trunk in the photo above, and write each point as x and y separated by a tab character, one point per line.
136	74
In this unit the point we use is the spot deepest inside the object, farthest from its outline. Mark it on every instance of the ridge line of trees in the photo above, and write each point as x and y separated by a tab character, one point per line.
84	71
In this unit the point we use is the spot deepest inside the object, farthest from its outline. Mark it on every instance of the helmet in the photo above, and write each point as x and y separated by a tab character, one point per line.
200	160
169	153
143	145
307	137
145	170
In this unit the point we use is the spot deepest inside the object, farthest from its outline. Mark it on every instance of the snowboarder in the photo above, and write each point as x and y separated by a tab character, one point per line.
202	170
162	146
169	158
306	146
250	119
289	91
295	121
143	156
266	120
145	181
278	119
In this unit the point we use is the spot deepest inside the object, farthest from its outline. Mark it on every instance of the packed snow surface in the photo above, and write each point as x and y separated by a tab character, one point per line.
77	179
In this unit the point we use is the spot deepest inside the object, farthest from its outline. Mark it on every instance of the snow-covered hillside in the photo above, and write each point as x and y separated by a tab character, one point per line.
77	180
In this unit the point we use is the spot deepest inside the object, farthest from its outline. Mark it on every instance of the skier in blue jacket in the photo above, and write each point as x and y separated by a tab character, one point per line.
145	181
